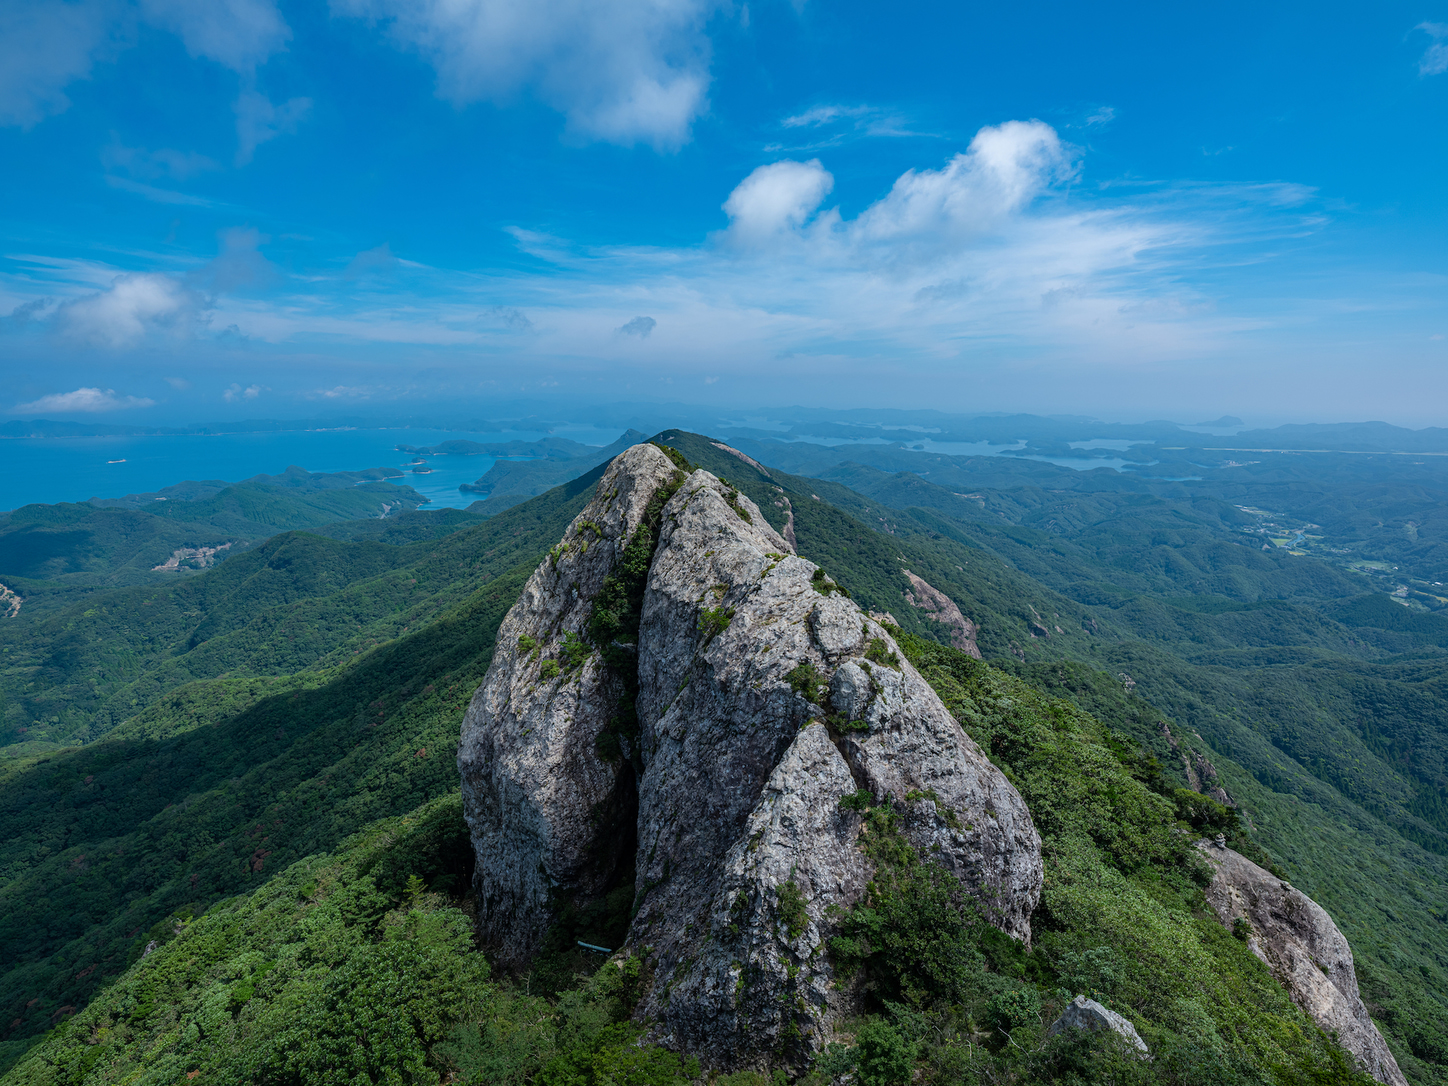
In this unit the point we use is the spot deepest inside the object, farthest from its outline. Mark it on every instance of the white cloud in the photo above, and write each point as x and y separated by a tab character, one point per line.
239	34
776	199
1101	117
1435	60
259	119
44	46
622	71
133	307
927	214
85	399
236	393
1000	173
988	263
340	392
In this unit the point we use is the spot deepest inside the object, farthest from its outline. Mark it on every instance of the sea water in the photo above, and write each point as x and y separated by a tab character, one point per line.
50	470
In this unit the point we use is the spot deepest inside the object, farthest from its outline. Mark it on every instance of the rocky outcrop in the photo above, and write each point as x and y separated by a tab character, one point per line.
764	697
543	806
1087	1014
1302	947
938	606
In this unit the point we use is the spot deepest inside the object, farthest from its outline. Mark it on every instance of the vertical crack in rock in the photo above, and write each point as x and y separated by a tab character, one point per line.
1297	940
549	812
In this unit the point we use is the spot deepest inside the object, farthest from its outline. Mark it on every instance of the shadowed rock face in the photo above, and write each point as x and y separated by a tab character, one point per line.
745	651
1298	941
542	805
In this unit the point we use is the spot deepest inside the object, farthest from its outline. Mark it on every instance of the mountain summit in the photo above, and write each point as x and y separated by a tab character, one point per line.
674	682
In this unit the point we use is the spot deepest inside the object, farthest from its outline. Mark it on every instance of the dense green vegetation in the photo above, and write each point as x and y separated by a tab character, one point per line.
218	780
1122	917
121	540
356	966
75	665
194	754
360	966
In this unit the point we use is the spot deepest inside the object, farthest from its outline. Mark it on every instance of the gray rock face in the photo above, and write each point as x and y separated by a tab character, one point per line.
538	798
765	696
738	647
960	809
944	610
1298	941
1087	1014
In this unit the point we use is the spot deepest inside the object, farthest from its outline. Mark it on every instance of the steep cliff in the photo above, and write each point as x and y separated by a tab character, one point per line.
1307	954
551	817
764	697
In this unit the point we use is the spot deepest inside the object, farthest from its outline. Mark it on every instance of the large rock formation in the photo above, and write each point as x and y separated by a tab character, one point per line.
1298	941
764	697
543	805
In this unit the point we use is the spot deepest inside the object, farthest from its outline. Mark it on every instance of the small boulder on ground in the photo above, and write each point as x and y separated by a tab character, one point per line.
1087	1014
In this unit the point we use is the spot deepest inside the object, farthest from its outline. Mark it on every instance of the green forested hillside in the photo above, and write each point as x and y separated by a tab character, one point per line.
259	713
359	965
242	758
122	540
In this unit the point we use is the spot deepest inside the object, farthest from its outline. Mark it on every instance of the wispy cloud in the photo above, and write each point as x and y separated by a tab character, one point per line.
158	195
1434	60
45	45
378	261
823	115
84	399
997	249
621	71
259	119
239	34
151	165
831	125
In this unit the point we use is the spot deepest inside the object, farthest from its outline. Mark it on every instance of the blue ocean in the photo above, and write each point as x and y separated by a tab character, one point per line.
52	470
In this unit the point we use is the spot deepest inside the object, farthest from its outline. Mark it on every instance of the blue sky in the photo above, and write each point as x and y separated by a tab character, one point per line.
1129	210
